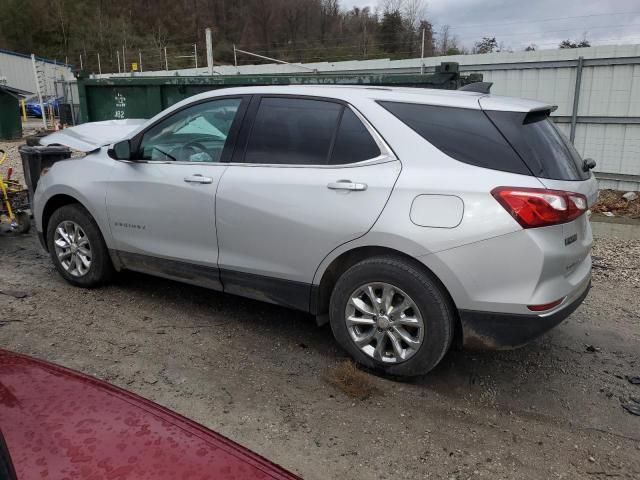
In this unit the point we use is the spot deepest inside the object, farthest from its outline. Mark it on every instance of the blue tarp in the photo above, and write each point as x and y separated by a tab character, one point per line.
33	108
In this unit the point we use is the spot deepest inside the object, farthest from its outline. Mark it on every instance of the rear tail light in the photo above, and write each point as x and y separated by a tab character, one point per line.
539	207
546	306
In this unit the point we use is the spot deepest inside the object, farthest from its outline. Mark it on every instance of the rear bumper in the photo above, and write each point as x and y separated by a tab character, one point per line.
503	331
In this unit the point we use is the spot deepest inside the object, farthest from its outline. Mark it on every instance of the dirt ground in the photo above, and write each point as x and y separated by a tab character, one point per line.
612	203
265	376
258	374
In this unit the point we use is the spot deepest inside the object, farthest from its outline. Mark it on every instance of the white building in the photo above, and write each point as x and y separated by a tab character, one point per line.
16	71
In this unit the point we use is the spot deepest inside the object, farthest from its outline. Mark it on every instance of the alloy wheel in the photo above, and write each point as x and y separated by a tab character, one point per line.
384	322
72	248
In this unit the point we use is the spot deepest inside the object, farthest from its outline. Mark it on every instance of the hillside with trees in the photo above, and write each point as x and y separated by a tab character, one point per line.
291	30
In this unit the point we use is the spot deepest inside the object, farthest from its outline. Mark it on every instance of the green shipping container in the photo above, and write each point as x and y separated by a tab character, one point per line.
10	122
143	97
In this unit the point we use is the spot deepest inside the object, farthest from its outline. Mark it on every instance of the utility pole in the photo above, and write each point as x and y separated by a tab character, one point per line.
99	66
209	40
81	67
235	55
364	41
166	60
140	64
422	54
118	59
195	54
124	61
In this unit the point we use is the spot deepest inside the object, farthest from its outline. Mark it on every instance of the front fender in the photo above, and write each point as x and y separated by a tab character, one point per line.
84	180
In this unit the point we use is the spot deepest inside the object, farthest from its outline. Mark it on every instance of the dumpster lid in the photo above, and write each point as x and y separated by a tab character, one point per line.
91	136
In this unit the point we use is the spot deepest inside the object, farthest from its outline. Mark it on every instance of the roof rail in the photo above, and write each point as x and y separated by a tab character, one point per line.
478	87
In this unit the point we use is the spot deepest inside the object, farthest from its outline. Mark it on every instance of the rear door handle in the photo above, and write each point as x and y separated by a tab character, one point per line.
347	185
197	178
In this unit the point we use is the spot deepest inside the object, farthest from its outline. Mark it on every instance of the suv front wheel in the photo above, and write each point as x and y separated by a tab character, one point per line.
77	248
392	316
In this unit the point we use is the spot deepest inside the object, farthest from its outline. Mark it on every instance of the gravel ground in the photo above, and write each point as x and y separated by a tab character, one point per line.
258	374
13	159
617	260
262	375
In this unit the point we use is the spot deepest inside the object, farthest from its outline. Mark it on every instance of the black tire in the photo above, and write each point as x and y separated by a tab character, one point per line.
435	307
101	269
23	219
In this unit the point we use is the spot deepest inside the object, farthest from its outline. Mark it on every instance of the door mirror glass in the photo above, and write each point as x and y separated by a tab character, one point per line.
121	150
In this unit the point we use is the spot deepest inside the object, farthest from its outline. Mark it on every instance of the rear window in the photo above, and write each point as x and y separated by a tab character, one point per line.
464	134
547	152
292	131
353	142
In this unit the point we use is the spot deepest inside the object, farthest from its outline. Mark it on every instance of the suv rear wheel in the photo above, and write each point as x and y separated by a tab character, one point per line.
77	248
392	316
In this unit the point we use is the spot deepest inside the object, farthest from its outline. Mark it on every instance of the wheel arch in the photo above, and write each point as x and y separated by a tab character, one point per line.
54	203
321	293
59	200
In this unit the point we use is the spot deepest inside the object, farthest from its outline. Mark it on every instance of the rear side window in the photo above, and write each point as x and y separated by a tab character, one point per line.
353	141
464	134
546	151
292	131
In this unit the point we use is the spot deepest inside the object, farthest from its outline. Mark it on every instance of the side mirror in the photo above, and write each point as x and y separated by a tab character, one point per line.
121	150
588	164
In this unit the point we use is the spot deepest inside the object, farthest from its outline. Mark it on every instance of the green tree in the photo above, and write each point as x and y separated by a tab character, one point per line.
392	30
571	44
486	45
290	30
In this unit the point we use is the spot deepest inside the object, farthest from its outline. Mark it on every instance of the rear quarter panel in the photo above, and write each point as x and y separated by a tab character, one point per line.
428	171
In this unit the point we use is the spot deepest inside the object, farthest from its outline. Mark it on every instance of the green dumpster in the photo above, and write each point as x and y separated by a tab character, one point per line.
10	122
143	97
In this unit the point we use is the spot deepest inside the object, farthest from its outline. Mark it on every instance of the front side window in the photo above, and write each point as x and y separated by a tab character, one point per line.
195	134
292	131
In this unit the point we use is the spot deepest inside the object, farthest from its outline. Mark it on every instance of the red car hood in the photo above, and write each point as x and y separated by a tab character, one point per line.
59	424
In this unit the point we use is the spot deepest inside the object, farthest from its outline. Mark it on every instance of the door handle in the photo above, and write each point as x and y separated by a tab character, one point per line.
197	178
347	185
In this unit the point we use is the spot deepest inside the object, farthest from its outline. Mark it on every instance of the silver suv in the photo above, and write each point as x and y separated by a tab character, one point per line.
408	219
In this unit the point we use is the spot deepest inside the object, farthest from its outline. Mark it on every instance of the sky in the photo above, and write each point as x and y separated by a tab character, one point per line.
545	23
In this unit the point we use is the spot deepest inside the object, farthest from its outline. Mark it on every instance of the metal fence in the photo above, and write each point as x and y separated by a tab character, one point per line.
598	107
